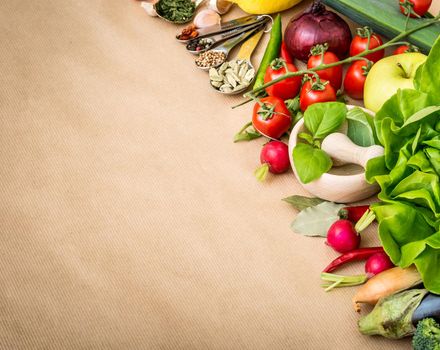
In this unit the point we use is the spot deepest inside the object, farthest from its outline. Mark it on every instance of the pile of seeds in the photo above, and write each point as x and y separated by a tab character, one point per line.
176	10
199	44
232	76
210	59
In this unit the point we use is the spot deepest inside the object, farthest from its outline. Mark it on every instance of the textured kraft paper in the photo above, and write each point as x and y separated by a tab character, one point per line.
128	218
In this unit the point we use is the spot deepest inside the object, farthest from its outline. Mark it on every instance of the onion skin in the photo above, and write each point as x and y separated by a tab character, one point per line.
314	26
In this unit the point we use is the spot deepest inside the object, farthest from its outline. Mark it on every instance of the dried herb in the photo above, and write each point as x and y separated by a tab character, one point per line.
176	10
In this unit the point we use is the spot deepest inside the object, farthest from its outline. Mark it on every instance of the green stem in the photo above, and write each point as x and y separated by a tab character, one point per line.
392	42
341	281
365	221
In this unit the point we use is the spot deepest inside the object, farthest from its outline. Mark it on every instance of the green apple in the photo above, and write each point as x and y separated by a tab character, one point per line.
388	75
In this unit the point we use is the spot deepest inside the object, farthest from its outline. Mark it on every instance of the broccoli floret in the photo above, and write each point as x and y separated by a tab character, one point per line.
427	336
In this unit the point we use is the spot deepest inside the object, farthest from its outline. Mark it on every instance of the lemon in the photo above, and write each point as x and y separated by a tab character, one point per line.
265	6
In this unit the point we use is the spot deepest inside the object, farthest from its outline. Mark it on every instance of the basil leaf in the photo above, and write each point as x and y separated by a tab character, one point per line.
310	163
301	202
321	119
247	133
315	221
360	127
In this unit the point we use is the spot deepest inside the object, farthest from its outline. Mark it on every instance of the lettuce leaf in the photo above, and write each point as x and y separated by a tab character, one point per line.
408	127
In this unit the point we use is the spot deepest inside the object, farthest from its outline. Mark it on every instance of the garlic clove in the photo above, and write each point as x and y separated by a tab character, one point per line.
220	6
206	18
149	8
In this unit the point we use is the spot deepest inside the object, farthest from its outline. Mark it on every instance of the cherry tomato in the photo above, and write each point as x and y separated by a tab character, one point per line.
314	92
416	8
360	42
287	88
271	117
320	55
355	79
284	53
405	49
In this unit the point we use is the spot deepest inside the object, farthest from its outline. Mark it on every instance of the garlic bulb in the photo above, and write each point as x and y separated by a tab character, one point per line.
206	18
149	8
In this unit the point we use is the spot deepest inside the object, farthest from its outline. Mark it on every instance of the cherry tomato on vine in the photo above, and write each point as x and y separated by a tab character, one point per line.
415	8
287	88
355	79
314	91
405	48
320	55
360	42
271	117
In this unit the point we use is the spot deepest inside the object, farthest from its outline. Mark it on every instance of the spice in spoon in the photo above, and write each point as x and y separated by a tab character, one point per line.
188	33
202	44
210	59
176	10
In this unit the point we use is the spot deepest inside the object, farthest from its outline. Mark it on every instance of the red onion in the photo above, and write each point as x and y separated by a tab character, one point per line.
314	26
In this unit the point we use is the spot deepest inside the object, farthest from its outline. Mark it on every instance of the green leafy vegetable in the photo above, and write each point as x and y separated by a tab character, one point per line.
321	119
310	162
427	77
360	127
247	133
409	172
301	202
316	220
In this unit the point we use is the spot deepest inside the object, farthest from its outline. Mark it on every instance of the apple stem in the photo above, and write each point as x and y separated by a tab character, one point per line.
392	42
403	70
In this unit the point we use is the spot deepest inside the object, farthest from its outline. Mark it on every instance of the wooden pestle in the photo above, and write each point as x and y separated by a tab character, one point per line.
343	151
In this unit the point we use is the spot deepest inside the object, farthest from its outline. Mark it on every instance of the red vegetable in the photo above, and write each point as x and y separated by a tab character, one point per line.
415	8
287	88
360	43
314	91
320	55
284	53
405	48
353	213
377	263
355	77
271	117
342	236
275	158
314	26
354	255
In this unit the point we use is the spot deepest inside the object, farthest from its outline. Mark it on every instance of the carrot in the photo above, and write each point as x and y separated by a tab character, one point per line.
386	283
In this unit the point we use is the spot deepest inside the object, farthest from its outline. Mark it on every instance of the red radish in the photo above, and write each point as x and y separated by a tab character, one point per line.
377	263
274	157
342	236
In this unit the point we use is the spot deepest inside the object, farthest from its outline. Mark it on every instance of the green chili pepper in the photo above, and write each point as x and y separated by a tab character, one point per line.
272	51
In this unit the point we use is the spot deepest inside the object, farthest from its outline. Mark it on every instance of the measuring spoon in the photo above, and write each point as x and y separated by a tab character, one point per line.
215	39
231	43
244	55
223	27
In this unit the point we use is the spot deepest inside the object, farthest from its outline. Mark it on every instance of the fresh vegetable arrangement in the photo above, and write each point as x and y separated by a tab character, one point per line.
398	148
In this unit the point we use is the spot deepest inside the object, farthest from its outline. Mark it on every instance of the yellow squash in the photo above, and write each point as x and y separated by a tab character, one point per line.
265	6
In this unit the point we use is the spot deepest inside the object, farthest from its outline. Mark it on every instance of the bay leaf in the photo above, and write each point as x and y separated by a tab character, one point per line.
315	221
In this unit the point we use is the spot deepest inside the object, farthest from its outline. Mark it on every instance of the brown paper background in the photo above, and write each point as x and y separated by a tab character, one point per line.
128	218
